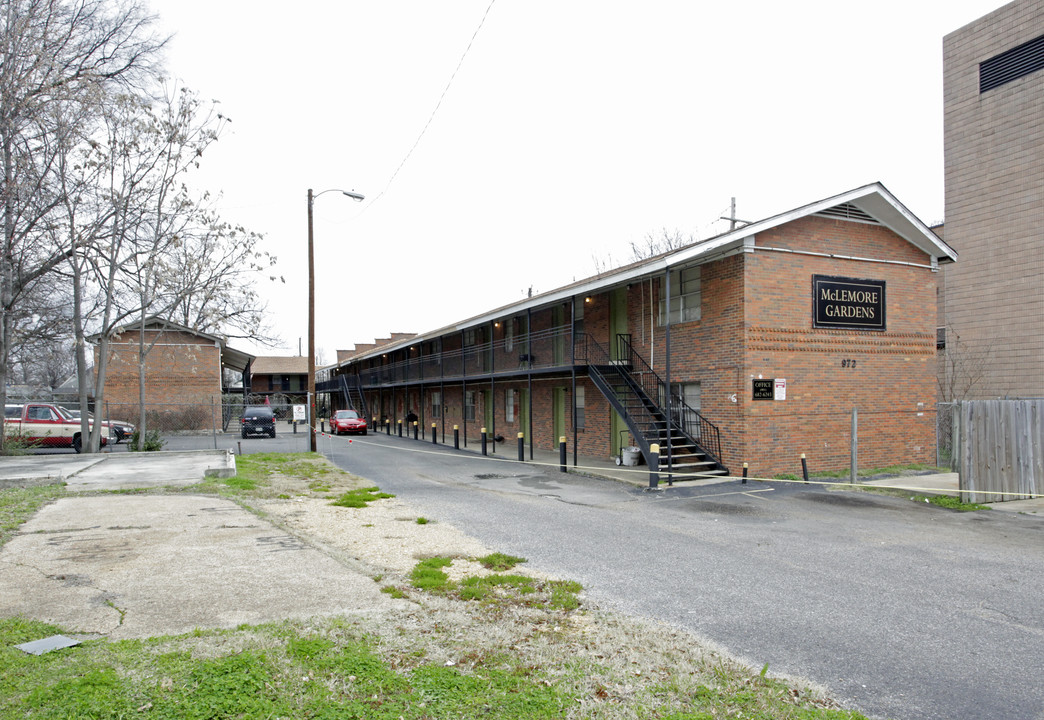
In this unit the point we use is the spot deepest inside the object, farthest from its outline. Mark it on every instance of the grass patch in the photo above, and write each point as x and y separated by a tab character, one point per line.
333	668
360	497
499	562
428	575
950	502
422	521
279	475
19	504
890	470
497	590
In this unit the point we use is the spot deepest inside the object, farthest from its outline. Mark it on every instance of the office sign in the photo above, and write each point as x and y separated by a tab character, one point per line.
839	302
762	389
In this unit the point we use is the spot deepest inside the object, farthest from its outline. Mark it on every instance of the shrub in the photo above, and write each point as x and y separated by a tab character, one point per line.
153	441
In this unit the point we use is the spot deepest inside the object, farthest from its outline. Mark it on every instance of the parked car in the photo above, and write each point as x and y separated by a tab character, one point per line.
258	420
119	429
347	421
46	425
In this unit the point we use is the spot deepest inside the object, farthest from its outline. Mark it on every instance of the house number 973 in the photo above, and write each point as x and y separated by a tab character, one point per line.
848	363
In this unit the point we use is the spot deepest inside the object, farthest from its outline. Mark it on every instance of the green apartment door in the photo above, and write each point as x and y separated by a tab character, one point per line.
617	326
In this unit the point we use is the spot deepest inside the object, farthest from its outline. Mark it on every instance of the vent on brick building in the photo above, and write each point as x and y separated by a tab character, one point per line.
846	211
1011	64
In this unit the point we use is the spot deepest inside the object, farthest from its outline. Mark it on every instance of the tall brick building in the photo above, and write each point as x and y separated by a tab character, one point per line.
767	337
994	146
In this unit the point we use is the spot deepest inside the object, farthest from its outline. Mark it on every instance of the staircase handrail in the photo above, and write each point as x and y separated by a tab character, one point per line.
687	419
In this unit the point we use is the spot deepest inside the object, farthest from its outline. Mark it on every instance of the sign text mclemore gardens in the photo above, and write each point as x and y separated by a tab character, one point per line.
839	302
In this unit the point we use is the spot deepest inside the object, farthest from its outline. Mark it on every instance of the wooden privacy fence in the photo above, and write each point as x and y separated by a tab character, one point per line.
1001	449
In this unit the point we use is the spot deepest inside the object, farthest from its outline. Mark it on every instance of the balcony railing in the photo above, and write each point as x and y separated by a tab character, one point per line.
543	349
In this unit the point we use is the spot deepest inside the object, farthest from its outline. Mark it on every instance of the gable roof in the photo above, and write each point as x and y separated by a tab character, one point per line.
869	203
280	365
230	357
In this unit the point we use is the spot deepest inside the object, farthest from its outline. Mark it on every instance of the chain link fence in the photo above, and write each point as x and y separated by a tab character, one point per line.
201	426
945	442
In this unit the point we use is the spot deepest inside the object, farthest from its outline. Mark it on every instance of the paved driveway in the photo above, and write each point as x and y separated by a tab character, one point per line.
903	610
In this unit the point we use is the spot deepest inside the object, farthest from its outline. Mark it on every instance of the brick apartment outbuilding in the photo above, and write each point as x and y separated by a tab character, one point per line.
768	336
183	371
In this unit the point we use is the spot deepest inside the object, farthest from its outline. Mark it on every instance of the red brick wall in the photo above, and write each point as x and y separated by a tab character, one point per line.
889	376
180	368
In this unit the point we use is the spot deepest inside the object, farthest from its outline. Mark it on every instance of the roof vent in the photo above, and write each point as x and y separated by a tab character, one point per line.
1011	64
847	211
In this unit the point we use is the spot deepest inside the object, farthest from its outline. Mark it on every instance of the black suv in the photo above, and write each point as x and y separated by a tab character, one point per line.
258	419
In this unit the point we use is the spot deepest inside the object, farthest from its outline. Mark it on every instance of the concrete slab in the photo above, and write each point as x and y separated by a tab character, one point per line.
107	471
949	484
134	566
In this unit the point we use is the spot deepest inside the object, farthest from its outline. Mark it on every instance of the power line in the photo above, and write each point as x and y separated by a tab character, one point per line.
435	109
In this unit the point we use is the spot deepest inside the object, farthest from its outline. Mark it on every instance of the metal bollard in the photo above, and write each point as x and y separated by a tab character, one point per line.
562	454
521	448
400	428
804	467
434	437
456	437
654	466
322	426
483	441
744	474
416	425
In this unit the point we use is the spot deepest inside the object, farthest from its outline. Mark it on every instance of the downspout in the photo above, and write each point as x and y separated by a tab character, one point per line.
529	374
667	370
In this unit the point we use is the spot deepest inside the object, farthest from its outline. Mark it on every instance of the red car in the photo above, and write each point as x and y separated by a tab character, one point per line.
347	421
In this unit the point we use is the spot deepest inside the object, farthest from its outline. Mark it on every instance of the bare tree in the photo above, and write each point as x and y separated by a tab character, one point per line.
652	244
964	367
52	53
150	147
210	276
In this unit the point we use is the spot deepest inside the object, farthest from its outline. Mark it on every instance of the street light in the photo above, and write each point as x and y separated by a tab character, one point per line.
311	312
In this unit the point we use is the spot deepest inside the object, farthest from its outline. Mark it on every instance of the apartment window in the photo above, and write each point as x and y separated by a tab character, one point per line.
509	335
469	405
581	404
436	404
685	296
509	406
469	338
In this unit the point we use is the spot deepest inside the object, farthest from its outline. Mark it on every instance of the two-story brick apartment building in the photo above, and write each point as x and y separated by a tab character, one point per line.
768	336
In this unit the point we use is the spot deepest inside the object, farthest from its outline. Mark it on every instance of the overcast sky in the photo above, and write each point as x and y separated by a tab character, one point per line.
569	130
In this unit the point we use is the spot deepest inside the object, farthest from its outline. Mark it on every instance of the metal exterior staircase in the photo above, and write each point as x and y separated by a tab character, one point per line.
351	388
689	443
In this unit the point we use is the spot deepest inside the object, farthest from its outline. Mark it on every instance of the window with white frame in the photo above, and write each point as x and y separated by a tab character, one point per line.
469	405
509	406
436	404
581	407
685	296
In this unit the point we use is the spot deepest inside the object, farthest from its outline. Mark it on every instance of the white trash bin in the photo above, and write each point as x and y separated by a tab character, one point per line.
631	455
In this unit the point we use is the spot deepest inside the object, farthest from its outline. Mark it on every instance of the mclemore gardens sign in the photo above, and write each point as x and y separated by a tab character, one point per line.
839	302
